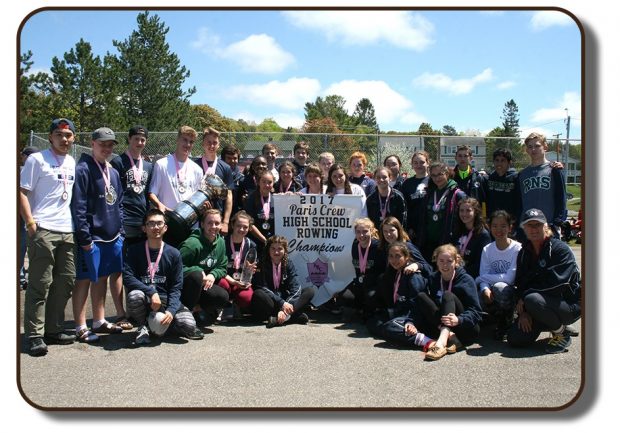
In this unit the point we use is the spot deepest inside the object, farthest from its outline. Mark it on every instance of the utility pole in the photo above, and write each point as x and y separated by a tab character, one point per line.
557	145
567	147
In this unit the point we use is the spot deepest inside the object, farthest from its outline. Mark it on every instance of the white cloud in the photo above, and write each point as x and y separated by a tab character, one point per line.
506	85
399	28
544	19
389	105
288	119
291	94
255	54
570	100
454	86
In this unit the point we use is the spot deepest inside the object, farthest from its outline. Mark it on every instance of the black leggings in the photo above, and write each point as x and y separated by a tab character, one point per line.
429	315
193	294
263	306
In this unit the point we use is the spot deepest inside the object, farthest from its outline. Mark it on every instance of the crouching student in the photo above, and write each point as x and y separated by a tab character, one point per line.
498	268
278	296
153	278
449	311
204	265
548	287
395	322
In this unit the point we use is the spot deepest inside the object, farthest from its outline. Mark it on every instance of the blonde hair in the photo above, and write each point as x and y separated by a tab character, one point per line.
367	222
187	130
210	131
450	249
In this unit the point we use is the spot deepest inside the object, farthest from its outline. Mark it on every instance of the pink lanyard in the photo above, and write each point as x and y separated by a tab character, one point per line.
396	285
105	175
266	208
363	257
209	169
181	178
464	242
449	285
384	208
137	171
437	204
237	254
152	267
289	186
62	170
277	274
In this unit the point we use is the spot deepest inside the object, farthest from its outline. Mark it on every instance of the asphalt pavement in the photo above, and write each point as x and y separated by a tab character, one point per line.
325	364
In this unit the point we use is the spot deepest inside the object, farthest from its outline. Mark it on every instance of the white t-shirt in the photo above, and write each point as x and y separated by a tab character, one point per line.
165	183
357	190
498	265
43	178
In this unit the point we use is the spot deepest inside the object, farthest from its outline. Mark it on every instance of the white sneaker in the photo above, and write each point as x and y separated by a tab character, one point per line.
143	335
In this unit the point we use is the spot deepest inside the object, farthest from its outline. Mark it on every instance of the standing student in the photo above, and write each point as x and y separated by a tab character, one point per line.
23	280
438	213
46	188
176	177
394	165
211	164
357	166
270	152
204	265
470	234
259	205
395	322
287	181
230	154
468	179
542	185
278	296
503	185
548	287
498	267
326	160
449	311
301	153
153	276
414	190
313	175
237	247
97	209
385	200
250	179
338	183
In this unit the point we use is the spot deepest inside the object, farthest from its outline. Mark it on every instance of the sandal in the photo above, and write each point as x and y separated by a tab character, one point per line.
108	328
84	335
124	323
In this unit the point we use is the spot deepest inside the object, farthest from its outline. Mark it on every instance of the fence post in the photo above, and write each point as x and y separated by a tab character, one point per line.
31	138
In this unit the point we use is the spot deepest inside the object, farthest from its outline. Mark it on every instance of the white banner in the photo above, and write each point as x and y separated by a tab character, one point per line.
319	230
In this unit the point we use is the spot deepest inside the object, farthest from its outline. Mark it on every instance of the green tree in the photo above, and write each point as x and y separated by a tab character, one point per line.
510	119
331	107
150	78
449	130
431	144
364	114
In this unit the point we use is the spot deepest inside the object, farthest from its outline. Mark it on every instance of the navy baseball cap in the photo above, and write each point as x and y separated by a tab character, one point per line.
62	123
138	130
104	134
533	215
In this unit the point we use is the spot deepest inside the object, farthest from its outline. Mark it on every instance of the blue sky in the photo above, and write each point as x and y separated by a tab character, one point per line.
441	67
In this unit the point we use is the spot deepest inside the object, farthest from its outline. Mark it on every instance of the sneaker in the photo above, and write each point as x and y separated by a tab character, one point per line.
302	319
195	335
572	330
435	353
272	321
37	346
559	343
59	338
143	336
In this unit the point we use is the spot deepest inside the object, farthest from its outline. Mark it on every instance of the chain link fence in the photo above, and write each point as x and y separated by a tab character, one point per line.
376	147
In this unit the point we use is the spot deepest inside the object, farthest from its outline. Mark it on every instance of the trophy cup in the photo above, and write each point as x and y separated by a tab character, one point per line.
187	212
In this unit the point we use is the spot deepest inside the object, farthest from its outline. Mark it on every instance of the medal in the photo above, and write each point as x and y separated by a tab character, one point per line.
360	278
137	189
435	217
181	189
110	195
181	175
266	226
237	276
64	195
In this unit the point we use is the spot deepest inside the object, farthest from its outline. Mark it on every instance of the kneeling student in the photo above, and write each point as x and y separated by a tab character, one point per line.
278	297
153	277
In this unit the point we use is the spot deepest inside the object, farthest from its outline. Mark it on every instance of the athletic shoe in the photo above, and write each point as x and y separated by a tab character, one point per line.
435	353
559	343
272	321
302	319
143	335
572	330
195	335
37	347
59	338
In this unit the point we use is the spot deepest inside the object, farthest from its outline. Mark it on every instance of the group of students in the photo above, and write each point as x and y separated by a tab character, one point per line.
113	215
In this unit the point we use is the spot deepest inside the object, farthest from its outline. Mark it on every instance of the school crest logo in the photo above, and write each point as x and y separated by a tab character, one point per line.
317	273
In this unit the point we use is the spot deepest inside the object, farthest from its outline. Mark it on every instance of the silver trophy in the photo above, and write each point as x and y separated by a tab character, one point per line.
187	212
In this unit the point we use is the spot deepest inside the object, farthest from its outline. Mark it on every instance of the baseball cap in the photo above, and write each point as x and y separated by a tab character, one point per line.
62	123
104	134
137	130
155	325
29	150
533	215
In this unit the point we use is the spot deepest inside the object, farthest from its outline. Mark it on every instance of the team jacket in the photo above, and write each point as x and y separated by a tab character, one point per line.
503	193
168	279
199	254
473	185
396	207
473	251
464	288
94	218
289	289
135	204
408	289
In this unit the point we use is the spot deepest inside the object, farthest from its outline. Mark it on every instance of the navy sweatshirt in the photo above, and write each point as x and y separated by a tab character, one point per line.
94	218
289	289
409	287
247	244
414	190
464	288
474	185
396	207
224	172
255	210
503	193
375	264
168	280
135	204
367	183
473	251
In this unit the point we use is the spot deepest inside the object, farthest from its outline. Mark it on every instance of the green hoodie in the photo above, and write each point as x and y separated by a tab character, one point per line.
198	254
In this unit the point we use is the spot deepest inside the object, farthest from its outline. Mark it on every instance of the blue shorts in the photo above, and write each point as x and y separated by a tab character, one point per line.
103	259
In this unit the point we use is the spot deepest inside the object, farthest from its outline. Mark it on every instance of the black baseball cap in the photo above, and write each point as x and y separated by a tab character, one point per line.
533	215
62	123
138	130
